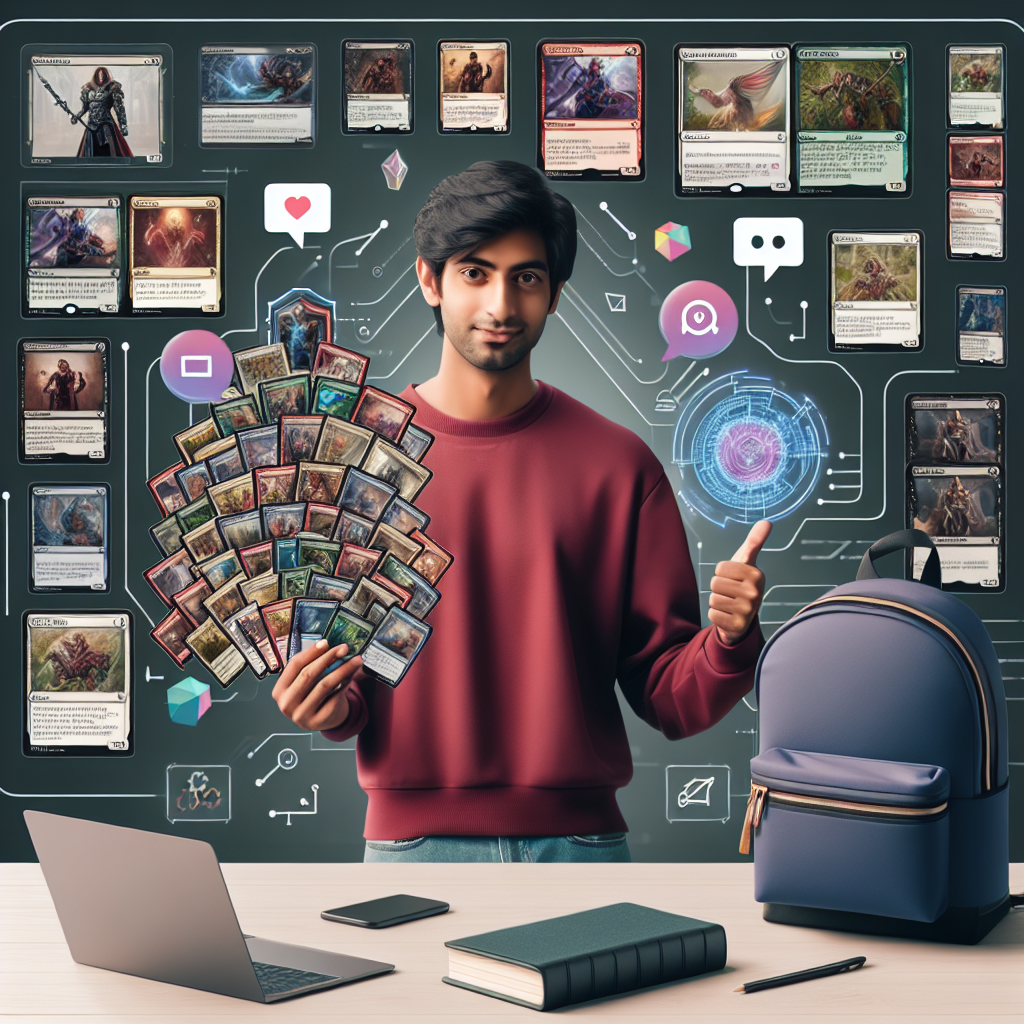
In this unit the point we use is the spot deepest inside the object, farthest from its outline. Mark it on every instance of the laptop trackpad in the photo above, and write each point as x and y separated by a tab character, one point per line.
303	958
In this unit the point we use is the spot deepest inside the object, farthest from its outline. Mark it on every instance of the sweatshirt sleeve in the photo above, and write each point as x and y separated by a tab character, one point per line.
358	716
678	677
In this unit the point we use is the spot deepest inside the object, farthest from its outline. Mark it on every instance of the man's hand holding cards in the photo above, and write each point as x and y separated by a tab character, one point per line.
311	692
737	587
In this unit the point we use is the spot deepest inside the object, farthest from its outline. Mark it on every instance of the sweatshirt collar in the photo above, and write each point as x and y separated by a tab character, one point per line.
439	423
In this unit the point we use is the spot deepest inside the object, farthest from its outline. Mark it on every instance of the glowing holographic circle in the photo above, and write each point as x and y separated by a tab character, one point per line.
750	452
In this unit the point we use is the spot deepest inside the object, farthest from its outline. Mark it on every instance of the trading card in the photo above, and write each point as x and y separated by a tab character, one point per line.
219	447
876	291
235	414
252	626
293	582
353	529
354	561
226	599
73	259
98	108
376	86
853	119
262	589
241	529
193	480
257	95
382	412
976	161
195	513
285	553
204	541
321	519
348	628
213	647
318	482
981	325
226	465
387	538
955	428
415	442
264	362
405	517
167	491
257	558
424	596
961	509
190	602
298	438
976	224
418	606
382	589
375	613
219	568
282	521
258	446
339	363
64	399
277	617
310	618
252	656
170	575
233	495
284	396
167	535
328	588
274	485
474	79
976	85
732	119
170	633
193	438
394	646
592	110
335	397
341	443
301	320
78	674
319	553
69	550
175	253
364	494
434	561
390	464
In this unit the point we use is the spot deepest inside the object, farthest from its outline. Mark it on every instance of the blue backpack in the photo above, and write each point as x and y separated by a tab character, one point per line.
879	802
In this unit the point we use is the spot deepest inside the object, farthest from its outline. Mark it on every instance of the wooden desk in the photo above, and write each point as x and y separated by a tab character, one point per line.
902	980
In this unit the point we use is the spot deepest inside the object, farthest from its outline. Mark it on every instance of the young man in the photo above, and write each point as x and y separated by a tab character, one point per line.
505	741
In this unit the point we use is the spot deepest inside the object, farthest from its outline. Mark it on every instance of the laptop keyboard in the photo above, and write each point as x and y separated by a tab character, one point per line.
276	980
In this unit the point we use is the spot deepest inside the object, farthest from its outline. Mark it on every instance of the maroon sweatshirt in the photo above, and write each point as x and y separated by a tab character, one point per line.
571	571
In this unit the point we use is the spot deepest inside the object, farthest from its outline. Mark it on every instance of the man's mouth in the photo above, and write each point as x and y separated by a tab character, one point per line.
497	336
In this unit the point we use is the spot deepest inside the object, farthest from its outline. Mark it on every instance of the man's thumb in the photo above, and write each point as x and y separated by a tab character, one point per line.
751	547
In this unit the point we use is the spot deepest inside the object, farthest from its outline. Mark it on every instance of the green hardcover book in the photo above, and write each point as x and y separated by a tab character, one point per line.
587	955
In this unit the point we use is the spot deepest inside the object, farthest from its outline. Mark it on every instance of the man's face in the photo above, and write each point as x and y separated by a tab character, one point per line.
494	299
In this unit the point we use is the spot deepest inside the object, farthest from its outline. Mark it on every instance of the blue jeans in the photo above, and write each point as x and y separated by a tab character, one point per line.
506	849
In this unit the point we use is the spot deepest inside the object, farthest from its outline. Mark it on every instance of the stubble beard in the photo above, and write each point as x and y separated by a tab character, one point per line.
494	360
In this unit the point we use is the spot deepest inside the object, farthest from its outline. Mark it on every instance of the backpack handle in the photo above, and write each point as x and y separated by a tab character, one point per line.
931	575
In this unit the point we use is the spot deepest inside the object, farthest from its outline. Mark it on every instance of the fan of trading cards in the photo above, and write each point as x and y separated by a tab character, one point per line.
290	516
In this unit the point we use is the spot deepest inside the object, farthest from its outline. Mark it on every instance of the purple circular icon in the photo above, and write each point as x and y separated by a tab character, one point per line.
698	319
750	451
196	366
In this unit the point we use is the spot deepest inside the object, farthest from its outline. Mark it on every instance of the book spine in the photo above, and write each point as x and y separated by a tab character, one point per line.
669	958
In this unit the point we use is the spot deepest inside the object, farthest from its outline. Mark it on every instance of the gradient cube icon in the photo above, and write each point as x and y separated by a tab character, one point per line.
188	701
395	170
672	239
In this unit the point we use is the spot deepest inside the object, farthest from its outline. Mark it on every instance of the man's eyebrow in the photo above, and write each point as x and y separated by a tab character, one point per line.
476	261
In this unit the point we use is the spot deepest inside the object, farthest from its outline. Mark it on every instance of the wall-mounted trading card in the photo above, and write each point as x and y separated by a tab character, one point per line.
976	224
174	252
976	161
257	95
376	86
981	325
79	698
73	256
853	119
474	80
876	291
69	551
592	110
976	85
955	428
97	107
64	399
732	120
394	646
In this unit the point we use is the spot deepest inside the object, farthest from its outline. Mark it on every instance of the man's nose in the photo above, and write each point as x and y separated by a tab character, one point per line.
502	299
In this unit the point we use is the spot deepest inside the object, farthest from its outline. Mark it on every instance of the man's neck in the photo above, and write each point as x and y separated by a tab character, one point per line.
466	392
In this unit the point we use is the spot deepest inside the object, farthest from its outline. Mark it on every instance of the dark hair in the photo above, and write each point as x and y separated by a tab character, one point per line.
488	200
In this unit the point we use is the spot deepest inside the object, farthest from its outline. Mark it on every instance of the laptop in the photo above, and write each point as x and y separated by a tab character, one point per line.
159	909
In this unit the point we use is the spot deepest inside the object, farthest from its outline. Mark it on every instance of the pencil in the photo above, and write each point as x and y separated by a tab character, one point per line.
814	972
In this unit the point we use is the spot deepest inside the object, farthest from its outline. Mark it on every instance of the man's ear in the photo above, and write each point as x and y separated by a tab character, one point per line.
556	294
429	283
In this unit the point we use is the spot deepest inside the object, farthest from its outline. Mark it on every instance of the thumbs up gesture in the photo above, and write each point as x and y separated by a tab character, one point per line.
738	587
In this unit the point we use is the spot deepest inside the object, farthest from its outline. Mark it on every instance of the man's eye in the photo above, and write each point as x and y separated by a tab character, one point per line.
529	278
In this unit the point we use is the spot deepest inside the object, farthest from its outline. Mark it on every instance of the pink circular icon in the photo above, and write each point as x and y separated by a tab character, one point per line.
196	366
698	319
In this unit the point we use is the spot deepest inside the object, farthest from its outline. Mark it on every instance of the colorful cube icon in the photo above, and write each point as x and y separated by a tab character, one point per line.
188	701
672	240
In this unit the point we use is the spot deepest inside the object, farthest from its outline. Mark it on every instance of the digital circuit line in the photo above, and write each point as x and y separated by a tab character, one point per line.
255	299
255	750
422	338
7	552
125	346
577	300
631	235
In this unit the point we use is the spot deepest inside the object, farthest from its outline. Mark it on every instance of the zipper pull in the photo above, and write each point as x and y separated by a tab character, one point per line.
752	819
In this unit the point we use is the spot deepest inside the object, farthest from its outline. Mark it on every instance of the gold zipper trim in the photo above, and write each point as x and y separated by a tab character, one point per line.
752	819
827	803
986	737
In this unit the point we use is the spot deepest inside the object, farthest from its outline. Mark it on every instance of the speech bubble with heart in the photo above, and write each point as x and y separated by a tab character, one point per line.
297	208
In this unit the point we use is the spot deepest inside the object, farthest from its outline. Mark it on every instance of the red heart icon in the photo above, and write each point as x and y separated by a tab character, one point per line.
297	206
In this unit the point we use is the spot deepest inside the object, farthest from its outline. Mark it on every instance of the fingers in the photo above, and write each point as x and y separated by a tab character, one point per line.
329	715
325	690
751	547
304	673
296	665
